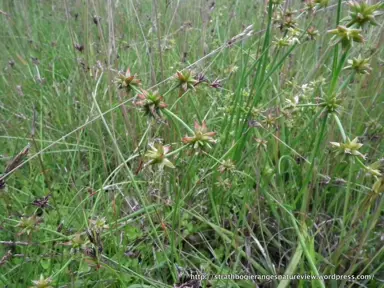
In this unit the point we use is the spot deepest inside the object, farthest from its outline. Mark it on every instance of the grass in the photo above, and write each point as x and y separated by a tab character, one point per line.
275	163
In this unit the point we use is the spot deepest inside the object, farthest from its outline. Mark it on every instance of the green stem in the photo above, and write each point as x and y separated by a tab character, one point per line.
346	82
266	42
281	61
336	51
337	119
338	12
170	90
171	114
336	71
307	105
304	190
177	150
303	243
361	164
62	268
348	192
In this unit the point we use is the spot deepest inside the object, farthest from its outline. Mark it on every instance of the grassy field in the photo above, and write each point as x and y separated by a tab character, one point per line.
142	141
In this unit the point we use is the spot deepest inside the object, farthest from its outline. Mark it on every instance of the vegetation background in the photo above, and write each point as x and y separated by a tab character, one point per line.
263	155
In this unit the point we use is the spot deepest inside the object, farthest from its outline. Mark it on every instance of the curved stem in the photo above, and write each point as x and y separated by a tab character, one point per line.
169	113
337	119
177	150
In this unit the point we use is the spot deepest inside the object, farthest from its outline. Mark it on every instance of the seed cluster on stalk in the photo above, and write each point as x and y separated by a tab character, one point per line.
153	105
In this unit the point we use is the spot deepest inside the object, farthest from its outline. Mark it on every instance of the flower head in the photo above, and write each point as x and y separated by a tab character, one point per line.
28	224
361	13
127	81
42	202
378	186
200	78
286	20
151	103
331	103
42	282
224	184
227	166
202	137
216	84
158	155
185	81
349	147
359	65
376	168
346	36
310	5
286	41
294	32
77	242
270	120
281	42
98	224
312	33
261	143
